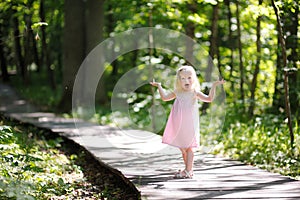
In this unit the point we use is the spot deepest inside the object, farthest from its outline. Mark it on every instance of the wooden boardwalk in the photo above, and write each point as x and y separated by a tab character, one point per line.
150	165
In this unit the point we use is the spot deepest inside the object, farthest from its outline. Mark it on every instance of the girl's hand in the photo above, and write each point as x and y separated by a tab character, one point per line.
156	84
220	82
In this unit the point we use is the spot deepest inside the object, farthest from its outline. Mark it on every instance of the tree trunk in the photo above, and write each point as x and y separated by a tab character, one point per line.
213	40
212	50
73	49
293	58
45	48
94	22
286	84
190	32
29	50
151	48
278	96
241	64
110	28
3	63
230	43
17	46
256	70
85	18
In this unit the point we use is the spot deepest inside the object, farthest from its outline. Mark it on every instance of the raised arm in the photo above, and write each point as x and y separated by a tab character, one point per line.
210	97
163	94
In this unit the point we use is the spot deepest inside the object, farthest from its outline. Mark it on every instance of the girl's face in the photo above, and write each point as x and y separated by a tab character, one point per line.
186	80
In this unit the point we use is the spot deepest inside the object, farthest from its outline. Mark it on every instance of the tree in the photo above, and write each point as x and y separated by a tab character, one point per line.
286	84
257	64
230	39
190	31
21	69
29	42
94	22
288	14
213	49
241	63
74	48
3	62
45	52
291	26
85	19
278	96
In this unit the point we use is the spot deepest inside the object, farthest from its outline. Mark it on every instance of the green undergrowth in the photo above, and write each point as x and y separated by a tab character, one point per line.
38	91
262	140
32	167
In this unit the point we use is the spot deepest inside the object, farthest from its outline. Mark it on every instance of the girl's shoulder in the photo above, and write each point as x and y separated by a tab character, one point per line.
176	92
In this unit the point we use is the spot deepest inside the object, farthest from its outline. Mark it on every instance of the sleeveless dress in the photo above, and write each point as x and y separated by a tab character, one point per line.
182	128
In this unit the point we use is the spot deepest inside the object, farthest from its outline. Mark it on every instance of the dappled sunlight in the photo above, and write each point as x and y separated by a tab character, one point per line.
151	165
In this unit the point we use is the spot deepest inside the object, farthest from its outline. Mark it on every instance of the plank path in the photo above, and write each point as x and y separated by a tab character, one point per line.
145	161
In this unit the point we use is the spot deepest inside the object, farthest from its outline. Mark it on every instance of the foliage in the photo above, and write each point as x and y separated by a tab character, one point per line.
262	141
34	168
175	15
41	94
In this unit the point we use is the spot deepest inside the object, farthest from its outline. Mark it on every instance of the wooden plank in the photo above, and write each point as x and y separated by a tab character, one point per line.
150	165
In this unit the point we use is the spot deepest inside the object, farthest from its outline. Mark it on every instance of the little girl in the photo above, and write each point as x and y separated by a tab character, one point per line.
182	129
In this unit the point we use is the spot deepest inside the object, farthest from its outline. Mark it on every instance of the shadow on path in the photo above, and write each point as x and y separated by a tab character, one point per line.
150	165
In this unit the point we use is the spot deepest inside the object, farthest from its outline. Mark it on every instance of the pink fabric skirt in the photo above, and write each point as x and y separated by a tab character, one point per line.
182	128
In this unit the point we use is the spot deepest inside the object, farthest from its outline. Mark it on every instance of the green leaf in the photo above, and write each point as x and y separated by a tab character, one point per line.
38	24
61	182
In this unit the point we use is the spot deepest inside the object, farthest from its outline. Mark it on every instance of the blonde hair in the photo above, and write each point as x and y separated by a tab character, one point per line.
196	85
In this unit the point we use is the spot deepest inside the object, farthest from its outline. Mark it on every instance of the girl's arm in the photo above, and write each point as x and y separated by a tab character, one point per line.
210	97
164	96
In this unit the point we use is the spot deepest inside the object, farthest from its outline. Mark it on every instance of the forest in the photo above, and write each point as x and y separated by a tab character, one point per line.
252	44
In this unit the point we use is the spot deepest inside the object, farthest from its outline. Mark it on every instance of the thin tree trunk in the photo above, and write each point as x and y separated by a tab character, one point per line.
151	48
110	28
190	32
213	39
286	84
293	58
28	42
45	48
256	70
27	47
17	46
230	39
241	64
218	56
3	63
278	100
4	72
212	50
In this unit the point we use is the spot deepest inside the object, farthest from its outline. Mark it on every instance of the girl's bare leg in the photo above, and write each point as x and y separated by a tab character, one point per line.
184	155
189	159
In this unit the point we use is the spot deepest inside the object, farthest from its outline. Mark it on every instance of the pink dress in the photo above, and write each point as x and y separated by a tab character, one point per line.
182	129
